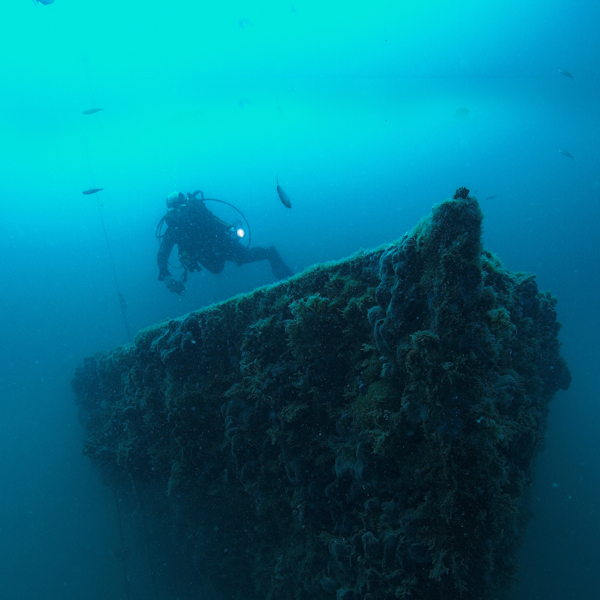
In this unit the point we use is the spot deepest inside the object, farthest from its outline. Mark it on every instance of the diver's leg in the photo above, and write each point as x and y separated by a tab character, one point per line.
278	267
251	255
248	255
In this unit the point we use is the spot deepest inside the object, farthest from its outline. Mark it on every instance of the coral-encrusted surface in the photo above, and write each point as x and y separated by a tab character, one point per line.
363	430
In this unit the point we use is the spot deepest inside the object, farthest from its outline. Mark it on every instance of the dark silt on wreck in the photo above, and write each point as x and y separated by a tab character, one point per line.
366	429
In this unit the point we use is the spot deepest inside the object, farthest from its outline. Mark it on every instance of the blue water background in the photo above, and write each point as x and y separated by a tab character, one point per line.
353	105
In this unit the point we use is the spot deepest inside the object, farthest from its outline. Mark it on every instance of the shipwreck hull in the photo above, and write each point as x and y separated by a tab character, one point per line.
365	429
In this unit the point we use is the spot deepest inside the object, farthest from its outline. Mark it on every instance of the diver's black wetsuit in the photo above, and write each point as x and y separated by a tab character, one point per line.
203	239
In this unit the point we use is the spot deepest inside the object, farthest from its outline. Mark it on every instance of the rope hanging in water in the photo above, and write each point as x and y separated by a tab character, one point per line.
122	303
95	190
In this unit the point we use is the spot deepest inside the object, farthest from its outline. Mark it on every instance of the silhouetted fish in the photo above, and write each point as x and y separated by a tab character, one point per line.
283	196
92	191
565	153
565	73
491	197
91	111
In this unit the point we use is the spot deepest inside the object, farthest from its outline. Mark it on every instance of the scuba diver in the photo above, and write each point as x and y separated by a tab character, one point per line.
204	240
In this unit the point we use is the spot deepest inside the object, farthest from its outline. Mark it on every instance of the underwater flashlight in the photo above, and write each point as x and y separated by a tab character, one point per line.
238	229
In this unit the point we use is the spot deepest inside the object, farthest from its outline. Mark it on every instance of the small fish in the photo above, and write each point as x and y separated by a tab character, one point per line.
91	111
490	197
283	196
45	2
565	73
566	153
92	191
293	9
244	101
244	21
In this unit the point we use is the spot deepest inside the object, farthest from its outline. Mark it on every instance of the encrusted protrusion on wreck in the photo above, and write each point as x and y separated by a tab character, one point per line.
365	429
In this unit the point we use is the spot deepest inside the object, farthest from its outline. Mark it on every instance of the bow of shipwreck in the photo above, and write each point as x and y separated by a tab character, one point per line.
364	430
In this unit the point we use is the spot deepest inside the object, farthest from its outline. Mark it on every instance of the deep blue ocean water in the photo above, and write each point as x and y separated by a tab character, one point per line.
358	108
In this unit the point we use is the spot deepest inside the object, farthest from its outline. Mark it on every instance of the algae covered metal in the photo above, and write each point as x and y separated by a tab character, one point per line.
363	430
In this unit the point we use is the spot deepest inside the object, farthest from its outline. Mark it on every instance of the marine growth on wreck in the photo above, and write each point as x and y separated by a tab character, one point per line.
364	430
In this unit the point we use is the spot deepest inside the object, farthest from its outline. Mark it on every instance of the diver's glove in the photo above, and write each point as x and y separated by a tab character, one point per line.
177	287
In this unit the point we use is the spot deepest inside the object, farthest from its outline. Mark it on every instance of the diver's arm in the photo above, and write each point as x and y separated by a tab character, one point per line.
162	258
168	241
